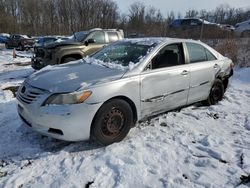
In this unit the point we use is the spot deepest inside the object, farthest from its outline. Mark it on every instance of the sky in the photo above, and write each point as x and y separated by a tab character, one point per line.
181	6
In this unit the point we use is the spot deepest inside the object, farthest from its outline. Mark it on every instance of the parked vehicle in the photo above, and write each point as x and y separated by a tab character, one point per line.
102	96
191	23
195	28
21	42
243	29
4	37
42	41
81	44
227	27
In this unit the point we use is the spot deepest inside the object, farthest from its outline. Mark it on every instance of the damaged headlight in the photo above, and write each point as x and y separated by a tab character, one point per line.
68	98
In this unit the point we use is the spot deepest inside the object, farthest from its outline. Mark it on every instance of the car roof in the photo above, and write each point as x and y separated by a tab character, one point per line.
158	40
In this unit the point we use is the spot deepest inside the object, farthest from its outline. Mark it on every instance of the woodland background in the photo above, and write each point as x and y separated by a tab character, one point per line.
62	17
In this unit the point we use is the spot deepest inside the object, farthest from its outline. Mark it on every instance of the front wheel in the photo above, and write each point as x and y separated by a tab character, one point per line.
112	122
216	93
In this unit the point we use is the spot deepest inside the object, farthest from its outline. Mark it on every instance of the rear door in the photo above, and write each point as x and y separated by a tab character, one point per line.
203	68
165	81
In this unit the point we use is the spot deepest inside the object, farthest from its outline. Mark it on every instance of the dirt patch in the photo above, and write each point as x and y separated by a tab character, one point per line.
88	184
245	179
13	89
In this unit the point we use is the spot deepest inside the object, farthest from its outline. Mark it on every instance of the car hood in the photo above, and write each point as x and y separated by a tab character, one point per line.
72	76
62	43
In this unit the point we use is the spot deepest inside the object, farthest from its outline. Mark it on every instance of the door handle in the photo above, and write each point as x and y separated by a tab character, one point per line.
216	66
185	72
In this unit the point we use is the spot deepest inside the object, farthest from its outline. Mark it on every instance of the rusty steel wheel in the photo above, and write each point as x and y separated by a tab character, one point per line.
112	122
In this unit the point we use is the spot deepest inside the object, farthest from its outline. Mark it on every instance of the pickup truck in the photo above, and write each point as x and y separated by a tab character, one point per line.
20	42
79	45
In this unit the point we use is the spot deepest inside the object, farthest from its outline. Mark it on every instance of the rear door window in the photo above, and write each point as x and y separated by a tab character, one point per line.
112	36
210	56
196	53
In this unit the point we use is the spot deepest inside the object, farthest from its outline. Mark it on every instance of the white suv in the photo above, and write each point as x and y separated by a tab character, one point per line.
243	29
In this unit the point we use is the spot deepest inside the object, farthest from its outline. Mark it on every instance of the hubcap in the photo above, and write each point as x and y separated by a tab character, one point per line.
113	122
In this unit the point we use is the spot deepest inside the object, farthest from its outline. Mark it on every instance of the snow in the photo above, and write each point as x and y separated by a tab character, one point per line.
112	65
195	147
25	36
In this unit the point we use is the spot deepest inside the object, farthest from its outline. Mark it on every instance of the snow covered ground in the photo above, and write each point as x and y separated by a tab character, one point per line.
195	147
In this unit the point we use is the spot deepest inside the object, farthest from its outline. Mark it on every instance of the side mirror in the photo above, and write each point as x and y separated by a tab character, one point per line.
149	66
89	41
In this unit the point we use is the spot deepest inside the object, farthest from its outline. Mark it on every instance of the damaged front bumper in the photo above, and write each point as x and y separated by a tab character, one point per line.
64	122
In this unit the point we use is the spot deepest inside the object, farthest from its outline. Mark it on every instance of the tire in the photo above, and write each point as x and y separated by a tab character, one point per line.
216	93
68	59
7	46
225	84
37	66
112	122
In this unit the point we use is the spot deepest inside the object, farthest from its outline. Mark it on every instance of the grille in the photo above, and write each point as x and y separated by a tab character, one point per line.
39	52
28	94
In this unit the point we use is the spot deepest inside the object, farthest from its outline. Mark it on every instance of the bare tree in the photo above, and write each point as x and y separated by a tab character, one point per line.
45	17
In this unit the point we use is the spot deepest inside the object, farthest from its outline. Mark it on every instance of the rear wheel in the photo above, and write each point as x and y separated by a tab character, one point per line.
112	122
216	93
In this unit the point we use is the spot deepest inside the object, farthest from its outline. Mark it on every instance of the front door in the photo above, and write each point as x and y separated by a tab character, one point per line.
99	40
165	82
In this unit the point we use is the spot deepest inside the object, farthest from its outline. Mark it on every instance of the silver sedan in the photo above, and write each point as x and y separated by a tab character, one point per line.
105	94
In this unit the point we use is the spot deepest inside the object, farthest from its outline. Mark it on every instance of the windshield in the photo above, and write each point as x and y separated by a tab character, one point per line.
79	36
123	53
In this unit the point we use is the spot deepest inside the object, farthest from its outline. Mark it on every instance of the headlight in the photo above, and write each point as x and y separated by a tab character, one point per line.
68	98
